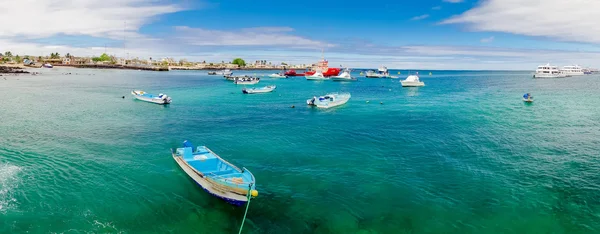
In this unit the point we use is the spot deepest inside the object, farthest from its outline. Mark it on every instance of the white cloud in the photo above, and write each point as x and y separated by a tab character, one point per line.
420	17
106	18
563	20
436	8
454	1
263	36
487	39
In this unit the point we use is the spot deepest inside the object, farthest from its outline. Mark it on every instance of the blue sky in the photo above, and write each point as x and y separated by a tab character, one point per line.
426	34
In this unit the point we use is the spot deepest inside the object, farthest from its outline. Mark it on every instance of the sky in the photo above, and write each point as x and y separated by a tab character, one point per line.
416	34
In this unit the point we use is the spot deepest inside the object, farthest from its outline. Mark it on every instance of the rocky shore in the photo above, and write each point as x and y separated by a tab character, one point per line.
12	70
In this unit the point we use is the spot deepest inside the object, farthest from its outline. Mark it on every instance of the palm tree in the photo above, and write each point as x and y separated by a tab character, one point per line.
8	54
68	55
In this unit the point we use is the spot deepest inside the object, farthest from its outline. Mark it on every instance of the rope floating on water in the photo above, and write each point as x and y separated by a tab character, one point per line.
249	196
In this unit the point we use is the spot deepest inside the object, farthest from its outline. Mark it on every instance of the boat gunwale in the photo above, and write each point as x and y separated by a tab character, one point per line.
211	180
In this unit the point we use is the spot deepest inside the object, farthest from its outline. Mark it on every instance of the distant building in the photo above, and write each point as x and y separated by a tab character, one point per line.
66	61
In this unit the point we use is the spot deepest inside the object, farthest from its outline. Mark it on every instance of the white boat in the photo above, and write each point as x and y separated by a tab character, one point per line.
266	89
382	72
317	76
143	96
47	65
547	71
412	81
246	81
345	76
225	72
329	100
573	70
277	75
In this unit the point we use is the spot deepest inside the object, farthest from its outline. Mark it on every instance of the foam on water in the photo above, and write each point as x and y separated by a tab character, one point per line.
9	182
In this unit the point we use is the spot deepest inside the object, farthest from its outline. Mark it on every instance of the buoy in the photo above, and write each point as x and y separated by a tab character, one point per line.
430	73
254	193
390	89
398	73
293	106
367	101
123	97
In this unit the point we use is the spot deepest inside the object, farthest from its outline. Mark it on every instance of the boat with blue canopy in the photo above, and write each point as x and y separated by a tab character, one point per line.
215	175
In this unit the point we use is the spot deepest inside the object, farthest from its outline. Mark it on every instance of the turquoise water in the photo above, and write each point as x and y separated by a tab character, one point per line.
463	154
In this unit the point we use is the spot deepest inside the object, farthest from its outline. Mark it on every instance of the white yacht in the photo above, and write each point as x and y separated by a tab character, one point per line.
412	81
573	70
547	71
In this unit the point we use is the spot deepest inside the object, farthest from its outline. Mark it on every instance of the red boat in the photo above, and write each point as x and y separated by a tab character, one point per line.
293	73
323	67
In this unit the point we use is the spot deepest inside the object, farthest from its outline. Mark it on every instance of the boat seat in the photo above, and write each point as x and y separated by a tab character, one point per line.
219	173
201	150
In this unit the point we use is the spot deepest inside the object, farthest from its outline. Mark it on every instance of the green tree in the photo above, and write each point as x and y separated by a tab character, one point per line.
18	58
8	54
55	55
240	62
68	55
284	64
105	57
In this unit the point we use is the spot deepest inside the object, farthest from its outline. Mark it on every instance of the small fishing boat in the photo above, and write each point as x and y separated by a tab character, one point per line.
527	97
212	73
345	76
215	175
329	100
233	78
316	76
266	89
143	96
47	65
382	72
247	81
277	75
225	72
412	81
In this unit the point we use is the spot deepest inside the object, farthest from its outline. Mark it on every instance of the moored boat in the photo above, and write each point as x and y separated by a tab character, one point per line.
47	65
323	68
266	89
573	70
547	71
316	76
412	81
246	80
161	99
382	72
225	72
329	100
293	73
215	175
345	76
277	75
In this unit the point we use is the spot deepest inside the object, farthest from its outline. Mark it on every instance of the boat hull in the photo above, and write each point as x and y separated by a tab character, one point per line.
412	84
207	186
527	100
264	90
151	100
343	79
330	72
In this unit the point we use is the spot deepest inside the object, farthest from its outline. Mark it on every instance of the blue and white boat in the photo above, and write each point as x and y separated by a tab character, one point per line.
329	100
266	89
527	97
215	175
47	65
161	99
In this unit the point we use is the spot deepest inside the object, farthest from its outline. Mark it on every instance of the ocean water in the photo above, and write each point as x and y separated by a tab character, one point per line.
463	154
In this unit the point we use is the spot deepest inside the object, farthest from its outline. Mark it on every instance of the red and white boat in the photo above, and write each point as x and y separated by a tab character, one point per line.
322	66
